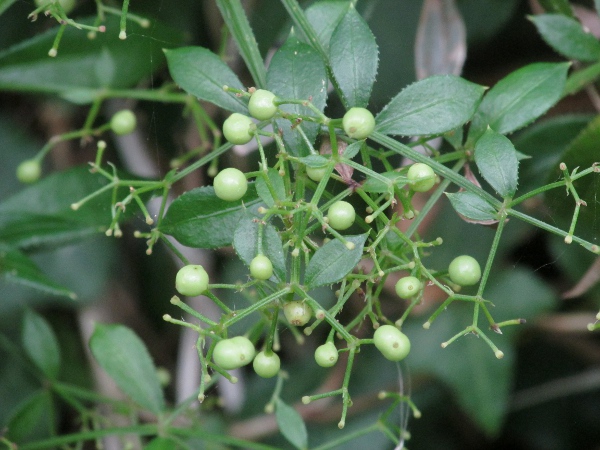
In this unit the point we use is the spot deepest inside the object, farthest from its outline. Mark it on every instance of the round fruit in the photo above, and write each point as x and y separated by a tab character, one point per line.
29	171
326	355
191	280
464	270
266	366
245	348
230	184
297	313
391	342
123	122
67	5
261	267
341	215
424	174
236	129
261	105
358	123
316	173
227	355
408	287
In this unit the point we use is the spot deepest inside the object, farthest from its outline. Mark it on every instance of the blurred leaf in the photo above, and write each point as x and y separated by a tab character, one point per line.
31	416
578	79
333	261
276	181
324	16
5	4
41	214
520	98
39	341
200	219
597	5
376	186
18	268
297	72
496	159
472	207
567	37
291	424
557	6
84	65
354	57
441	45
245	243
163	443
201	73
125	358
431	106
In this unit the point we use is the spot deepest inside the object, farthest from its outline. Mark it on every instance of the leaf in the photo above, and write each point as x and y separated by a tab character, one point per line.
352	150
83	65
496	159
125	358
245	243
473	207
314	161
567	37
41	214
31	416
200	219
5	4
40	344
557	6
354	56
18	268
238	25
441	43
201	73
520	98
324	16
263	190
333	261
578	79
431	106
291	424
297	72
377	186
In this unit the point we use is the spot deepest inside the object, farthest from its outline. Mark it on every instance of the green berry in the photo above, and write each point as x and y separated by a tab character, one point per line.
391	342
358	123
191	280
245	348
261	105
326	355
297	313
230	184
266	366
227	355
29	171
425	176
237	129
341	215
261	267
316	173
123	122
408	287
464	270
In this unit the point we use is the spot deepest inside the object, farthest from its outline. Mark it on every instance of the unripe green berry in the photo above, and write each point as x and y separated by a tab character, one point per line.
358	123
228	356
237	128
326	355
191	280
408	287
261	267
391	342
230	184
464	270
29	171
123	122
341	215
316	173
245	347
261	105
266	366
297	313
424	174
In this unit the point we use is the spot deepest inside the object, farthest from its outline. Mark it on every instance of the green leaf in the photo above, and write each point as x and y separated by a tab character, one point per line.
314	161
276	181
201	73
83	65
31	416
557	6
597	5
125	358
324	17
375	185
200	219
40	344
5	4
567	37
297	72
333	261
352	150
18	268
354	56
430	106
578	79
472	207
291	424
41	214
520	98
496	159
245	243
238	25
